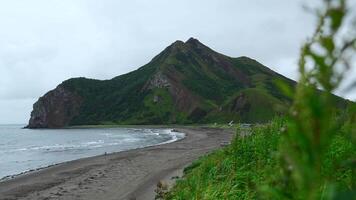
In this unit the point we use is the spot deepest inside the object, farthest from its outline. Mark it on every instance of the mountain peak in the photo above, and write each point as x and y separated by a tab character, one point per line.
192	41
177	45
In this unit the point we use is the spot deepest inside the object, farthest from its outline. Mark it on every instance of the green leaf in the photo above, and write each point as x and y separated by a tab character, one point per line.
337	16
328	43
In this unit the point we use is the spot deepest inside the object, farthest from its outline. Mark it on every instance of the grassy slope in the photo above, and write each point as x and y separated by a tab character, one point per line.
112	100
261	107
218	88
213	79
122	101
244	169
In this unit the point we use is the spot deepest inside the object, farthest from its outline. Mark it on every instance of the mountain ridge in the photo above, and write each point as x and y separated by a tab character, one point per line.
187	82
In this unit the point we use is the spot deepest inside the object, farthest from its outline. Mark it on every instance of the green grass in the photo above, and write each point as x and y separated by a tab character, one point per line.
232	172
252	165
263	106
310	153
255	105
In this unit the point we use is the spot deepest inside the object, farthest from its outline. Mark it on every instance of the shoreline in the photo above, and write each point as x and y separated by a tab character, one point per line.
131	174
11	176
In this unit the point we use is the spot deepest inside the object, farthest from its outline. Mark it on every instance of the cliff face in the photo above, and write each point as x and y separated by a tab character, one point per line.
186	83
183	99
55	109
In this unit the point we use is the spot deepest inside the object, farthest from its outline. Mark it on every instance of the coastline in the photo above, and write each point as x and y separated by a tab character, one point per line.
131	174
174	139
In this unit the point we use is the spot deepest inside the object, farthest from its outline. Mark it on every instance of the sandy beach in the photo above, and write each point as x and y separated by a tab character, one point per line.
130	175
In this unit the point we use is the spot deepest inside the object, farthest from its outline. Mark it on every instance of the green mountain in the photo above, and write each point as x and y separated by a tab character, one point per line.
186	83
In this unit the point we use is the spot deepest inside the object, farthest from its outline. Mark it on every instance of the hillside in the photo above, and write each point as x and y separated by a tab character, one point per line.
186	83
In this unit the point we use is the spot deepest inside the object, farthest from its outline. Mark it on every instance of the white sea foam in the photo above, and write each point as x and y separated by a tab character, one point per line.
48	147
175	136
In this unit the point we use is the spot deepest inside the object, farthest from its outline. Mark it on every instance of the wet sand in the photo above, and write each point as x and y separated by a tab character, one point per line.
131	174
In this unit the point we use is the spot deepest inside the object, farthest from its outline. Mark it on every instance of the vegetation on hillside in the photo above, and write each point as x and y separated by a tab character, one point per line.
311	154
216	89
187	83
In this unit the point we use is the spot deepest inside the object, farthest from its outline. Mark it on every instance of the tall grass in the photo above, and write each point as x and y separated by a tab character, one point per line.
314	122
252	167
234	172
310	154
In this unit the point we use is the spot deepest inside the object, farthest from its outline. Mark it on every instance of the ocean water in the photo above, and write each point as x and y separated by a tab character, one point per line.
27	149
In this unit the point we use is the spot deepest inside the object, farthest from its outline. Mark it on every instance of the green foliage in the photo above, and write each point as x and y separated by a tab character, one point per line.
159	109
310	154
249	105
313	126
251	167
116	101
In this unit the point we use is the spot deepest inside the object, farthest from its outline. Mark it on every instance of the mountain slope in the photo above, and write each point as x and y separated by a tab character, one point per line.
186	83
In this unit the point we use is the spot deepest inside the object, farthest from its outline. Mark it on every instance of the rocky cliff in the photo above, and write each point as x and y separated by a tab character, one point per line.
55	109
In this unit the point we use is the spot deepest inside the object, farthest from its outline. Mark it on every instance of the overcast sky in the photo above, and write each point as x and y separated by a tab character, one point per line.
43	42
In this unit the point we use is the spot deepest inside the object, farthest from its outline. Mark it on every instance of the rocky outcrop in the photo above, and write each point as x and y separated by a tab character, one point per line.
183	99
159	80
240	104
55	109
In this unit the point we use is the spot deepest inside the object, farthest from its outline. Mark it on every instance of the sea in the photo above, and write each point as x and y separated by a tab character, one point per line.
23	150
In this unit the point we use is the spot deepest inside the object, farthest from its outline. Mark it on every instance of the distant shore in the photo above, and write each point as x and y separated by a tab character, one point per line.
131	174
